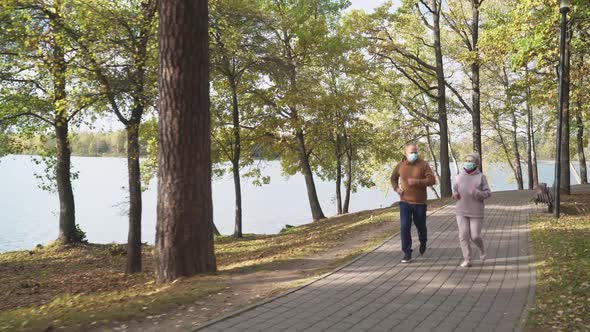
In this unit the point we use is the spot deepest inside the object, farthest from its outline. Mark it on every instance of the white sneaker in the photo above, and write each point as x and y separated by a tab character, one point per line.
466	264
482	255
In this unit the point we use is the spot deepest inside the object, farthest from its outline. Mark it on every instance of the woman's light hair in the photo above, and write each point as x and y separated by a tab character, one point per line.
475	156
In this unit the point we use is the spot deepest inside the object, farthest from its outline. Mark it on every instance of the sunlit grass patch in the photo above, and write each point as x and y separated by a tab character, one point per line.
562	262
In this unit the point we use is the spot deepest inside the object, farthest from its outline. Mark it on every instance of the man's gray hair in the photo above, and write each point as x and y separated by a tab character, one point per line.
475	156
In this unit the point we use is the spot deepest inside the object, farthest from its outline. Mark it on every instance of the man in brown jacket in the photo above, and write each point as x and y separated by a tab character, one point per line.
416	175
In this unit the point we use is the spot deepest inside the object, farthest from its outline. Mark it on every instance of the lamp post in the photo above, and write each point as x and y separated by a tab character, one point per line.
564	7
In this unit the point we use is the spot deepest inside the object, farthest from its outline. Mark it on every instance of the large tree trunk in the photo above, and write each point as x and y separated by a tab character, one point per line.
565	128
516	152
475	94
236	159
338	175
312	196
135	203
184	235
445	181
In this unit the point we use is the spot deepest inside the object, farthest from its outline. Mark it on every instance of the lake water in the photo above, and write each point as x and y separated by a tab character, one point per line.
30	216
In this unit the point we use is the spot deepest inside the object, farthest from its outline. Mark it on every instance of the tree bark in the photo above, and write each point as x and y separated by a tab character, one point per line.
67	213
135	201
533	172
580	144
184	235
348	182
435	162
504	145
475	85
237	150
565	128
433	156
516	152
312	196
445	181
338	175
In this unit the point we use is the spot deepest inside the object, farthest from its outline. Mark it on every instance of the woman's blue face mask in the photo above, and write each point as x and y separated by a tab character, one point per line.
469	166
413	156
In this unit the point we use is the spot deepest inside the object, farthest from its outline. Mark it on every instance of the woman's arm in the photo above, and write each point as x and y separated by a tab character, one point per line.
484	192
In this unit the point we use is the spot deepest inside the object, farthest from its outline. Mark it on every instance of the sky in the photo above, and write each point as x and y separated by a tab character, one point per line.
367	5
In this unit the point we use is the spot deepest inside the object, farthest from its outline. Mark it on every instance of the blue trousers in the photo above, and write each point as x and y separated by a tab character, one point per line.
408	213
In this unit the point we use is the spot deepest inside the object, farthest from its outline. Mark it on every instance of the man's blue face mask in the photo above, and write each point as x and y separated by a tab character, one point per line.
412	157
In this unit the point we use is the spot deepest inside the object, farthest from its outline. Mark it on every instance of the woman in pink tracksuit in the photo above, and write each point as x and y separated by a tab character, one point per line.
470	190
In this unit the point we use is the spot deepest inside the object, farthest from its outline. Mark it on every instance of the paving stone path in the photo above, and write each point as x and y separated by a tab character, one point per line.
432	293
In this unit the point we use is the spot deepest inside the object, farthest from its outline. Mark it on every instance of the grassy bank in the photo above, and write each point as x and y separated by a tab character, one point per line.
79	286
562	261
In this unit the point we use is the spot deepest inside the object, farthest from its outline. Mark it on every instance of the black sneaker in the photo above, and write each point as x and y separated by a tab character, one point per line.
407	258
422	248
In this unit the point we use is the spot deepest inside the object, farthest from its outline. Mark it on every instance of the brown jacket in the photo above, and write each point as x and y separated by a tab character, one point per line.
420	170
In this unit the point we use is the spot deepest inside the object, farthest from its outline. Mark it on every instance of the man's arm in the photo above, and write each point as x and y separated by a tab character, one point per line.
395	178
428	178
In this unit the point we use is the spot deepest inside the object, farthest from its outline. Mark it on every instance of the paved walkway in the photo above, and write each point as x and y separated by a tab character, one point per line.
378	293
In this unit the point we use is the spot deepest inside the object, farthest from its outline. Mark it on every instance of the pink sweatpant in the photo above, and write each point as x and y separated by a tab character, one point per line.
469	230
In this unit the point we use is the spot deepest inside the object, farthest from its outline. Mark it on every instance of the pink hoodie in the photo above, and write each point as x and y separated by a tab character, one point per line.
473	189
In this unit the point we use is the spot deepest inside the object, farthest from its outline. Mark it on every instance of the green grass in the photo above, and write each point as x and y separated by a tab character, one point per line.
76	286
562	260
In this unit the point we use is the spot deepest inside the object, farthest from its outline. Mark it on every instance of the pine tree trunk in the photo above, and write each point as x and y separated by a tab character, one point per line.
135	202
445	181
184	235
312	196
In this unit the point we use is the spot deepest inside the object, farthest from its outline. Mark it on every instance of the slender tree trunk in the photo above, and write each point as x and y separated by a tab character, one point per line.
445	181
532	180
338	175
348	181
454	157
312	196
504	145
580	145
184	235
516	152
236	159
565	129
135	202
475	86
580	132
433	156
67	213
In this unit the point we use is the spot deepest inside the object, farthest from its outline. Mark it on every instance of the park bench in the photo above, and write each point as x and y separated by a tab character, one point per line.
545	195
